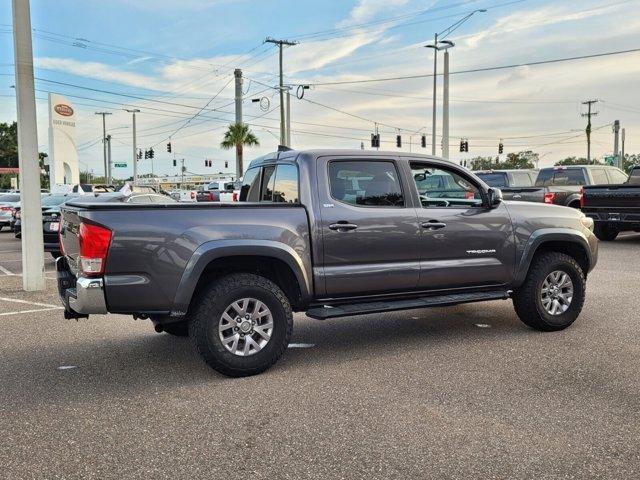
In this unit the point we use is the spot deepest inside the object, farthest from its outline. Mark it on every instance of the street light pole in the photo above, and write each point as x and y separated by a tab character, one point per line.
445	100
439	43
135	146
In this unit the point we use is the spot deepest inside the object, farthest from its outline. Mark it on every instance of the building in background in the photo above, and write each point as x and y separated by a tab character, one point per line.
63	155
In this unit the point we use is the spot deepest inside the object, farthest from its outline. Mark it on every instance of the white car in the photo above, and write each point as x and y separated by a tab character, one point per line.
8	204
189	196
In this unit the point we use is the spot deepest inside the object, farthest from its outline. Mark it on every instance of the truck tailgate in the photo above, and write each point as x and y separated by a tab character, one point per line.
612	196
69	229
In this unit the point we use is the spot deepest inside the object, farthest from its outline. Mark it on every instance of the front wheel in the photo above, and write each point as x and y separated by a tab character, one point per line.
241	324
605	233
552	295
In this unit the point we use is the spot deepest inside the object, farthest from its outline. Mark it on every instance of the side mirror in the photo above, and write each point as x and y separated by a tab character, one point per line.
495	197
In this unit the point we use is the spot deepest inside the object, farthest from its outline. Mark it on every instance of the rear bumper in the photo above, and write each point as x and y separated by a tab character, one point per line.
80	296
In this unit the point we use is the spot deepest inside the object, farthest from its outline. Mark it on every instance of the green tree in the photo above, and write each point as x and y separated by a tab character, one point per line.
483	163
577	161
9	144
525	159
238	135
630	161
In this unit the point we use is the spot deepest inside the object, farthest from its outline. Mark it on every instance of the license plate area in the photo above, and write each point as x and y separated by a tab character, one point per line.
614	217
54	226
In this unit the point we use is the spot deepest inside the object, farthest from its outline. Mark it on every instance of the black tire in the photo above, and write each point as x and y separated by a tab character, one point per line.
527	298
605	233
55	255
211	304
177	329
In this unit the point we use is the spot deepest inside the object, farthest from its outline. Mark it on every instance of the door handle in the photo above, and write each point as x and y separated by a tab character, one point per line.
343	226
433	225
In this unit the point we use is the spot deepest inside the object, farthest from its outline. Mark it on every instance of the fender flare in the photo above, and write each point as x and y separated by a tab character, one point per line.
544	235
574	197
215	249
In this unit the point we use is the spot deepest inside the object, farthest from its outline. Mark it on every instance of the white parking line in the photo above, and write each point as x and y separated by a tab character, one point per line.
30	311
5	271
48	305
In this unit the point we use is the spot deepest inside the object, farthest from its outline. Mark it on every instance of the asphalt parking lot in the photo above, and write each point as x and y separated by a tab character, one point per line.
459	392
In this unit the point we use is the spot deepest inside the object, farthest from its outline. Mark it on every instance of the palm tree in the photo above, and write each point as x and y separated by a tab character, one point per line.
238	135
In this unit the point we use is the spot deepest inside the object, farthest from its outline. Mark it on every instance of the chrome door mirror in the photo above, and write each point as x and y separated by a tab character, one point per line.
495	197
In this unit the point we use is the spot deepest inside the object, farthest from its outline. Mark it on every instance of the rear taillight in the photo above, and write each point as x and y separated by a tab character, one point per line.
549	197
469	195
581	197
234	197
94	244
193	195
210	196
6	209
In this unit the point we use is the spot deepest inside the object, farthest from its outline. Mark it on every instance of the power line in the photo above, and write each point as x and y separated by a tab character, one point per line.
476	70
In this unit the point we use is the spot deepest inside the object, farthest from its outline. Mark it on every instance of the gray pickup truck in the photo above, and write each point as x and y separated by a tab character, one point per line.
514	184
331	233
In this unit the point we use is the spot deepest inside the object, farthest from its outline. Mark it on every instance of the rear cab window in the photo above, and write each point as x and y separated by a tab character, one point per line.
561	177
494	179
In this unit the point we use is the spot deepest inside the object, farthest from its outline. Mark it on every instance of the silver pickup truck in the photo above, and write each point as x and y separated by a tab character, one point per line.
331	233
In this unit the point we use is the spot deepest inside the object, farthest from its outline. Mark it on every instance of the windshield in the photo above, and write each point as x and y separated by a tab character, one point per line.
10	197
52	200
497	180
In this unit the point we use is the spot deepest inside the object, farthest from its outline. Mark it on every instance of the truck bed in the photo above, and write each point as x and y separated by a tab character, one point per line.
153	245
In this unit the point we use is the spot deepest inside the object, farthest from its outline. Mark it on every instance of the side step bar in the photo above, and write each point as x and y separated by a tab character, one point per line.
326	312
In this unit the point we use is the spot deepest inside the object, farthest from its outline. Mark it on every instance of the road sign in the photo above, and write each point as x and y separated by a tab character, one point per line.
120	165
609	159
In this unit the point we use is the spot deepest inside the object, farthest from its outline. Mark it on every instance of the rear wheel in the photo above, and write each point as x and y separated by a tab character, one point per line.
552	295
55	255
605	233
241	324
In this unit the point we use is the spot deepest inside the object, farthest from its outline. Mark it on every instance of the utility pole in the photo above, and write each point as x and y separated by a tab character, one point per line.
238	97
104	141
622	150
28	161
288	137
435	87
280	43
616	141
135	146
108	159
589	114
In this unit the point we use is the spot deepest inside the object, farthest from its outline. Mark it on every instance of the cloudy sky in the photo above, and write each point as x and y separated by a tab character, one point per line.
171	58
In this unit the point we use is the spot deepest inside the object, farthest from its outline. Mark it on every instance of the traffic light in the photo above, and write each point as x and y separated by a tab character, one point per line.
461	145
139	154
169	147
175	163
151	152
398	141
375	140
146	154
500	148
226	164
464	145
423	141
206	162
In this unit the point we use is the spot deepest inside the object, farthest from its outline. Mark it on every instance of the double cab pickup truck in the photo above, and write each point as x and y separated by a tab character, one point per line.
614	208
514	184
332	233
563	184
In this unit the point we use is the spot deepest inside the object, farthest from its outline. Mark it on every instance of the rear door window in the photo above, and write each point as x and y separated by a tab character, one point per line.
616	176
521	179
561	177
365	183
599	176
